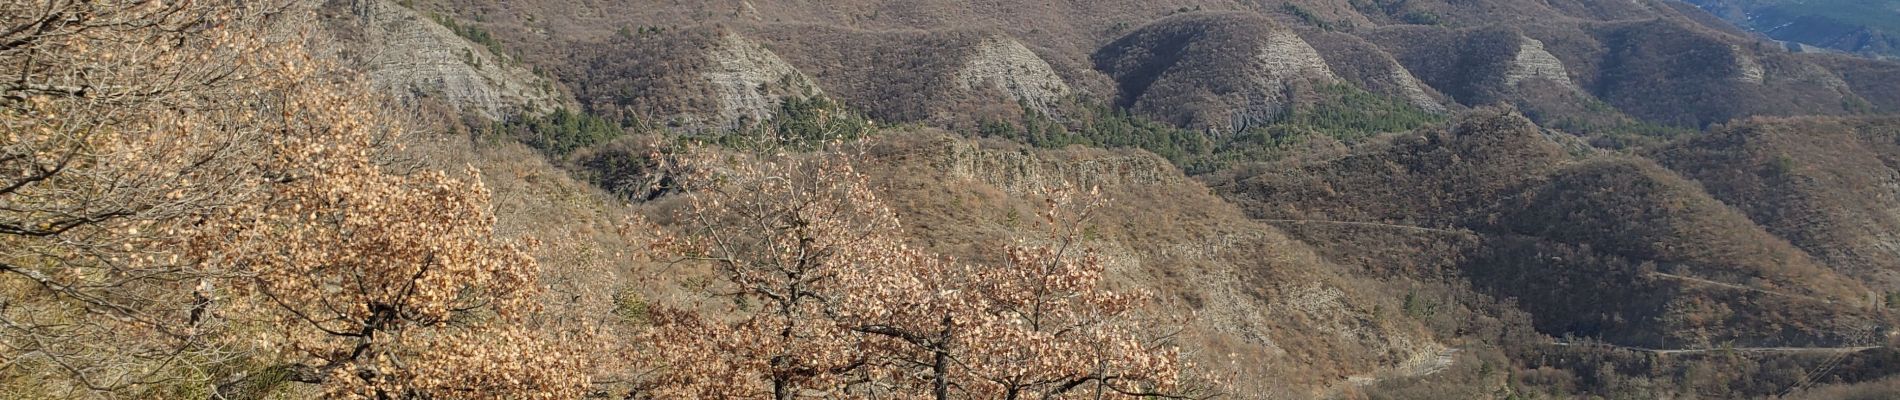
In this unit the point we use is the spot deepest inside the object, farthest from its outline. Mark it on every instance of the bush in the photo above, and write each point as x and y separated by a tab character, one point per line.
1106	127
1344	113
561	132
801	122
1422	18
1781	165
473	34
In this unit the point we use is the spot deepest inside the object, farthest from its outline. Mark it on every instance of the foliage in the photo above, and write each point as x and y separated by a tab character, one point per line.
625	168
1422	18
95	173
561	132
473	34
847	309
1623	134
1344	113
1781	165
166	238
1102	126
800	123
1350	114
1306	16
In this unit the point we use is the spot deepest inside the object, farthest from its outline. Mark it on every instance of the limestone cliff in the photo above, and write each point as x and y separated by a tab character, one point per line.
407	54
1747	69
1004	64
748	81
1533	62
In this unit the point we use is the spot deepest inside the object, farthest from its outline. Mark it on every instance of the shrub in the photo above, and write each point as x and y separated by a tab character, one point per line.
561	132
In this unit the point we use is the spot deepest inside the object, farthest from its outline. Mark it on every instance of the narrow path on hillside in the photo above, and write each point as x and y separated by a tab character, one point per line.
1439	362
1821	350
1371	224
1737	287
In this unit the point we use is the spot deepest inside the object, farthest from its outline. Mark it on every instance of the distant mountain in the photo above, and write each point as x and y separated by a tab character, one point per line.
1870	27
1599	69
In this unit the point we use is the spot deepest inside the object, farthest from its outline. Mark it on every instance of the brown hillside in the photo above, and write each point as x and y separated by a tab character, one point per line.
1221	72
1876	81
947	78
1673	73
1298	322
1722	278
1830	186
1436	177
1657	62
1367	66
1551	228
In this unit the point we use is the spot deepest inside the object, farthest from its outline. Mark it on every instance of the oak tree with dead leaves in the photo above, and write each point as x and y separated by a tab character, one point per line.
829	302
191	205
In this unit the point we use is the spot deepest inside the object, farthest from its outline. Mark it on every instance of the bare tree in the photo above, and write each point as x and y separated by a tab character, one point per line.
847	309
123	121
777	230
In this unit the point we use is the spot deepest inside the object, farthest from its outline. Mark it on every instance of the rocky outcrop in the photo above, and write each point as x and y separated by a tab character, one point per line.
1286	57
1282	62
410	56
1533	62
1747	69
1414	91
1004	64
748	81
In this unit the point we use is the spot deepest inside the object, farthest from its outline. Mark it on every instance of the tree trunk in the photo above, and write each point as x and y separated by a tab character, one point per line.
941	368
942	371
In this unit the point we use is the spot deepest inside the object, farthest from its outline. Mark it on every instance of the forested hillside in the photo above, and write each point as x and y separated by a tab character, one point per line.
565	199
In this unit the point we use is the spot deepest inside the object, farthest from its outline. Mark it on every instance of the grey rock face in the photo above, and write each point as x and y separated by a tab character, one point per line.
1748	70
1005	64
1533	62
408	55
749	81
1414	91
1282	62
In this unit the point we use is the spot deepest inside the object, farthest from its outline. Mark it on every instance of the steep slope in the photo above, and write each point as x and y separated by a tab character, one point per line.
411	56
1221	72
1554	231
949	77
1367	66
1297	322
1492	65
1436	178
1830	186
1877	82
695	79
1698	272
1673	74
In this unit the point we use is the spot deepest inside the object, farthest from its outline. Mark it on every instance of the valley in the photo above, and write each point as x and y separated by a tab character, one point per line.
1351	199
